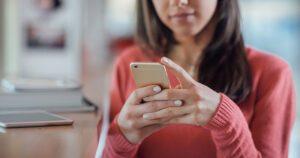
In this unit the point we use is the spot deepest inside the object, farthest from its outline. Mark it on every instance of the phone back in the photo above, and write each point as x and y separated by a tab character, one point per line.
146	74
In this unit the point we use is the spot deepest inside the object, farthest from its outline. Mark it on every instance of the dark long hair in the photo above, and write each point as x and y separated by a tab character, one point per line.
224	66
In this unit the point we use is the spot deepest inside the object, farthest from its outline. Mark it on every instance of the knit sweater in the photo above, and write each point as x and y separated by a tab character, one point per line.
260	126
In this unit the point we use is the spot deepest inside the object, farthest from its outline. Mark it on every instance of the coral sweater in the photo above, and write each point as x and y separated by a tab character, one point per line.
260	126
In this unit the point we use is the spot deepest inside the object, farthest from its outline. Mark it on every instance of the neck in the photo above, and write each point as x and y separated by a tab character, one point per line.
189	48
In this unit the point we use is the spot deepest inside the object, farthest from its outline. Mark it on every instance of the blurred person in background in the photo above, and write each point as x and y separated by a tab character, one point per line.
48	5
46	26
227	100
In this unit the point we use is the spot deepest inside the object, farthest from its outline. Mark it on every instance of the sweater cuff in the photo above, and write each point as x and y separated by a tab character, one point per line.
224	114
118	140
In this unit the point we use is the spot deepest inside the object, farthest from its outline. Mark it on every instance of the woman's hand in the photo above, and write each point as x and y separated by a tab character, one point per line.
131	122
199	102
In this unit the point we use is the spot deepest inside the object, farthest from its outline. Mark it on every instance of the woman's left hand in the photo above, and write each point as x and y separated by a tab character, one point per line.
199	103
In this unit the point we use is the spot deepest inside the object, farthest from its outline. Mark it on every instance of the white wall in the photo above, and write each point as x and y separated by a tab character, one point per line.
94	34
1	40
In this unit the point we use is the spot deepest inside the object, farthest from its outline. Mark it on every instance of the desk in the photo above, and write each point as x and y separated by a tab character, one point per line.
52	141
75	141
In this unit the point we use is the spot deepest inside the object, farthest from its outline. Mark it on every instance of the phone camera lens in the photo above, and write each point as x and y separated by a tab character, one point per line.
135	66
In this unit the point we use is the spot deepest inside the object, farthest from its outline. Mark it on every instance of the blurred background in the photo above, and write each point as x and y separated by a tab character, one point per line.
79	39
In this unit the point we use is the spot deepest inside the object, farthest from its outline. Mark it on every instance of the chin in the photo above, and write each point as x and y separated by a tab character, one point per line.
186	33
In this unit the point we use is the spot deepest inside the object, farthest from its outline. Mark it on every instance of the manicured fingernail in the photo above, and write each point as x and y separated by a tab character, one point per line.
178	102
146	99
165	59
156	89
146	116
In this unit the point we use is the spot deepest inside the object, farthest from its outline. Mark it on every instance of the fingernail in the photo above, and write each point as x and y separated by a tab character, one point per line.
156	89
165	59
178	102
146	116
146	99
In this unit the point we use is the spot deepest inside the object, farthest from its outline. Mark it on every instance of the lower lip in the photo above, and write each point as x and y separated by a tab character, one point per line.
182	18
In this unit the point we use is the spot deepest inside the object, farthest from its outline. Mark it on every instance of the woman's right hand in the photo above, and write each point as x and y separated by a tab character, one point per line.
131	122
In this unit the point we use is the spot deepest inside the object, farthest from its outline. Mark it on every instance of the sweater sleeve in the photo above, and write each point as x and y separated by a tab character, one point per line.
116	145
268	133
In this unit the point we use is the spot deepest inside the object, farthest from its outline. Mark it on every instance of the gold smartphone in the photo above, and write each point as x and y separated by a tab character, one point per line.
147	73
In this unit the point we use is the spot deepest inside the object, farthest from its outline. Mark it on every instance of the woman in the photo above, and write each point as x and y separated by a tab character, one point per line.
228	100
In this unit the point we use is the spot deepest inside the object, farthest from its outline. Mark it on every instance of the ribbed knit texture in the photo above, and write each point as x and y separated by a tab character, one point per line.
260	126
120	145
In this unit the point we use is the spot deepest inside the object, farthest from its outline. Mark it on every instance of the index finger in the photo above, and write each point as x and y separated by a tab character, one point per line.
185	79
137	95
169	94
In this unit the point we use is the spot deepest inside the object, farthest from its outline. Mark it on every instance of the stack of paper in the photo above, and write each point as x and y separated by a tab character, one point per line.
42	94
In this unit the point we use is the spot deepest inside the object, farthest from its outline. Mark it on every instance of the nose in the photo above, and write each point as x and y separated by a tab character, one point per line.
179	3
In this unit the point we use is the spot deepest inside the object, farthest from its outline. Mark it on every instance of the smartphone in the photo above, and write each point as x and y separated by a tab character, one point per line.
149	73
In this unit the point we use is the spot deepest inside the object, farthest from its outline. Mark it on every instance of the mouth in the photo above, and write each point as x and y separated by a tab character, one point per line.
181	17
